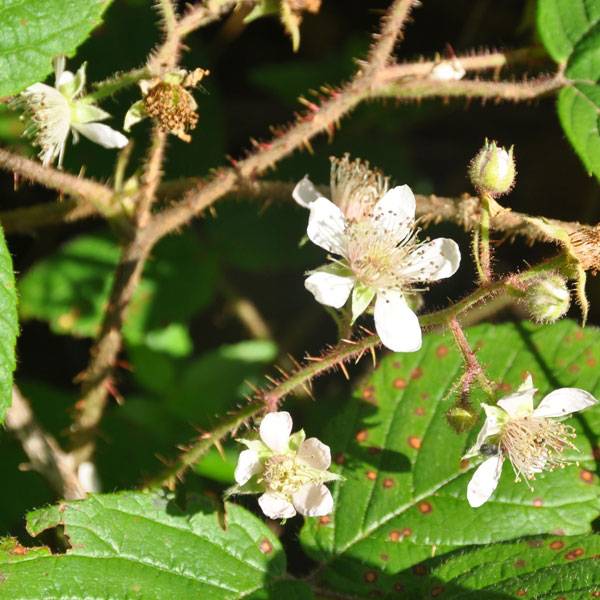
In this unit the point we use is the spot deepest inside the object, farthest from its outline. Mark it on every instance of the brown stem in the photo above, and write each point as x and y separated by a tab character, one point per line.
45	455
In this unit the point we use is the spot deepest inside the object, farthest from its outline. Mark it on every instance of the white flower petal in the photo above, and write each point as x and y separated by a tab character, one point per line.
305	192
102	134
248	465
313	500
275	429
326	226
315	454
328	288
527	384
396	324
484	481
564	401
395	212
519	404
276	507
437	259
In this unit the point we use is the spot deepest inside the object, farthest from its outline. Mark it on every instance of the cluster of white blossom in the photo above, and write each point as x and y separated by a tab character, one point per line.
375	255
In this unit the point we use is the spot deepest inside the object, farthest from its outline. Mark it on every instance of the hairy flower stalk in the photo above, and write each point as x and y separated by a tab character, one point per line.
288	470
533	440
372	233
51	113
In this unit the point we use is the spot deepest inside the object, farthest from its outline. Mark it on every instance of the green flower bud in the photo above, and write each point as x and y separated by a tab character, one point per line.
548	299
492	171
461	418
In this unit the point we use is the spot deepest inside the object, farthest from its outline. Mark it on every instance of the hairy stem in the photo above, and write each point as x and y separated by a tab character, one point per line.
485	263
151	177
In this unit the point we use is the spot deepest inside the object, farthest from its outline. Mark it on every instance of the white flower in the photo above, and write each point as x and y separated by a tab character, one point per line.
532	439
53	112
380	258
289	469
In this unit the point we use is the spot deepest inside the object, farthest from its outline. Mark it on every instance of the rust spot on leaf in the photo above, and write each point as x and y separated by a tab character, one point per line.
586	476
557	545
370	576
521	592
371	475
416	373
420	570
399	383
419	411
339	458
574	368
394	535
368	393
265	546
414	442
573	554
324	520
519	563
425	507
388	483
538	502
362	436
441	351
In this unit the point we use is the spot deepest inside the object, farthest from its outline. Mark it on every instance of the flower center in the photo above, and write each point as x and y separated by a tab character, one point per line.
284	475
534	444
173	108
375	256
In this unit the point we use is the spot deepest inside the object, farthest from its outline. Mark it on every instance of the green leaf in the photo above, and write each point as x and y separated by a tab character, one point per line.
71	288
9	326
570	30
404	498
543	567
136	545
33	32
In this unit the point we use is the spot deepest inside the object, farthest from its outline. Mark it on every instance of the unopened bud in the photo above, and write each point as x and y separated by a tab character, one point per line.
461	419
548	299
492	171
